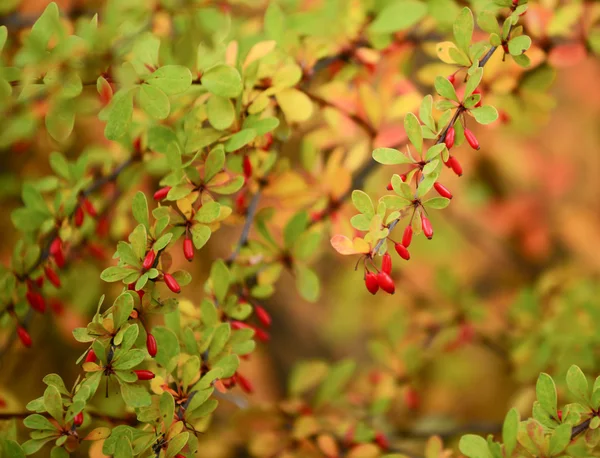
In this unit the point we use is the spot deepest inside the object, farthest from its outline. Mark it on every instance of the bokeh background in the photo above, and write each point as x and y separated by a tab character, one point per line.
513	268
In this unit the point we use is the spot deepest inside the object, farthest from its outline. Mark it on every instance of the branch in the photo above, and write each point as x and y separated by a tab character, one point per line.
243	240
127	420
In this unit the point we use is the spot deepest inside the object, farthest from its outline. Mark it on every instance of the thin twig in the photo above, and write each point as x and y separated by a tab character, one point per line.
250	214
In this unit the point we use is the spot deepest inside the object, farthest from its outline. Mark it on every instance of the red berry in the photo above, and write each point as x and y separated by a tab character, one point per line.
452	78
389	187
144	375
244	383
386	263
407	236
24	336
268	141
151	345
559	413
386	283
240	203
90	357
78	420
239	325
247	166
78	219
442	190
478	91
402	251
261	335
471	139
454	165
403	177
102	227
371	282
412	398
382	441
137	144
426	225
36	301
162	193
96	251
149	260
39	281
89	207
188	249
52	276
57	252
179	455
450	136
172	283
262	315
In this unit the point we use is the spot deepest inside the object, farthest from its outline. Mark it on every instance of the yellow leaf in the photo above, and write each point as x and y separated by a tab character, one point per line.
371	104
296	105
259	50
342	244
360	246
443	51
97	434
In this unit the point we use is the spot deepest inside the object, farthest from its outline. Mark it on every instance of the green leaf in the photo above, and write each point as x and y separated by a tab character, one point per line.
413	130
53	403
37	421
578	384
140	209
171	79
33	445
398	16
463	30
390	156
220	111
119	116
473	82
135	395
445	88
487	21
227	365
123	446
240	139
518	45
294	228
560	438
200	235
176	444
9	447
59	452
129	359
274	22
307	283
474	446
425	112
437	203
220	278
363	203
484	115
222	80
215	161
154	102
545	390
122	308
168	347
509	430
338	376
209	212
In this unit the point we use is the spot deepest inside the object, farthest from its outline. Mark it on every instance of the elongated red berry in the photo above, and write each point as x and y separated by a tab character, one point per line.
144	375
239	325
471	139
386	263
559	414
427	228
52	276
244	383
57	252
24	336
371	282
261	334
442	190
149	260
36	301
188	249
402	251
162	193
262	315
102	227
90	357
172	283
78	218
386	283
454	165
89	208
151	345
407	236
78	420
450	136
247	166
382	441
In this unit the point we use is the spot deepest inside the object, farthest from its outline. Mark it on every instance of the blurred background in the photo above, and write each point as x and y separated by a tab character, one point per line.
508	287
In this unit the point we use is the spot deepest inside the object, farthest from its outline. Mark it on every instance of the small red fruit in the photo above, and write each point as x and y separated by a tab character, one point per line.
389	187
426	225
88	206
382	441
261	335
450	136
471	139
247	166
454	165
151	345
188	249
52	276
407	236
172	283
244	383
262	315
90	357
162	193
78	420
144	375
239	325
78	218
149	260
386	283
36	301
102	227
371	282
24	336
402	251
559	413
452	78
57	252
442	190
412	398
386	263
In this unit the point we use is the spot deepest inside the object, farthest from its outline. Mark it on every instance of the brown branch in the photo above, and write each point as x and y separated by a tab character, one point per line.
127	420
